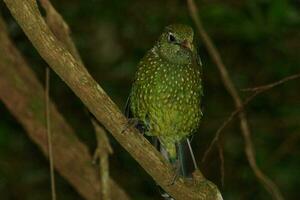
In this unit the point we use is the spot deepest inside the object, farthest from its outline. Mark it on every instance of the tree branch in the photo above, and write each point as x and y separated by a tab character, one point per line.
269	86
59	28
49	134
62	32
102	153
23	95
93	96
226	122
249	149
256	91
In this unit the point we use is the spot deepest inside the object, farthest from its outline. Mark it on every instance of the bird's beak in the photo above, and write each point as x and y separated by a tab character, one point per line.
186	45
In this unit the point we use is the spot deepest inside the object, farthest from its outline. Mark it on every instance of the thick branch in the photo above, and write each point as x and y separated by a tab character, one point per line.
97	101
23	95
61	31
228	83
59	28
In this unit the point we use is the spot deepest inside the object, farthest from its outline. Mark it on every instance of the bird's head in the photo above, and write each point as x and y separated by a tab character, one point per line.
176	43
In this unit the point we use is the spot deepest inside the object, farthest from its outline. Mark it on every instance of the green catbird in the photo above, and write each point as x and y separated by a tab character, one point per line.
166	95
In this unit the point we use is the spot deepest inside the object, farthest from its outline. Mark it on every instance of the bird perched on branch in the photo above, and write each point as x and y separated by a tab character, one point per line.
166	96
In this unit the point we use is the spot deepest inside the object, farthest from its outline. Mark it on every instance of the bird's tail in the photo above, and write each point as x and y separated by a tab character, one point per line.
185	160
184	156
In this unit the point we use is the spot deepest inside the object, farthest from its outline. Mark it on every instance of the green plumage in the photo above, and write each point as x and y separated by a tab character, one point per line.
166	93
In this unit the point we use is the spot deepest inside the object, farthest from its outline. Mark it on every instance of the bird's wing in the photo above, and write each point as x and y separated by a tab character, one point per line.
199	61
142	127
127	110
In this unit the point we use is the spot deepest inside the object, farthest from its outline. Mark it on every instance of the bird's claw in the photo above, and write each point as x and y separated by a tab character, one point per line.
132	122
176	167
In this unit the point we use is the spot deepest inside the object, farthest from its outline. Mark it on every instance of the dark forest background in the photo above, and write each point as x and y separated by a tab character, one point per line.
259	41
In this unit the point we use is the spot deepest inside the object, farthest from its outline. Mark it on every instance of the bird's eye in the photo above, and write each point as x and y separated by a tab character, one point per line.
171	38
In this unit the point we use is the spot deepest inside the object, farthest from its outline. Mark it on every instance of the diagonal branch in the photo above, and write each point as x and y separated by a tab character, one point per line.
96	100
249	149
59	28
23	95
269	86
61	31
256	91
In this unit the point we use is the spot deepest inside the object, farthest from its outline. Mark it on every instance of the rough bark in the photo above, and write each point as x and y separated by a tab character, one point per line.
96	100
23	95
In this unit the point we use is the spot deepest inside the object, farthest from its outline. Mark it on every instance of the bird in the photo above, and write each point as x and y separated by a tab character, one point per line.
166	96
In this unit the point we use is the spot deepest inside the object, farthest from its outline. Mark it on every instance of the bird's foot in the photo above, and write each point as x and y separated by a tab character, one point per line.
176	167
132	122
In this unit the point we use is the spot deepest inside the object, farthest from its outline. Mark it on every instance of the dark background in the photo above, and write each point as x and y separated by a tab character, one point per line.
259	41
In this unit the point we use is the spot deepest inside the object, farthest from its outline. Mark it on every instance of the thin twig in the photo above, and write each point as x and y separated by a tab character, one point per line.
256	92
217	135
102	153
225	123
14	66
49	134
274	84
222	167
249	149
